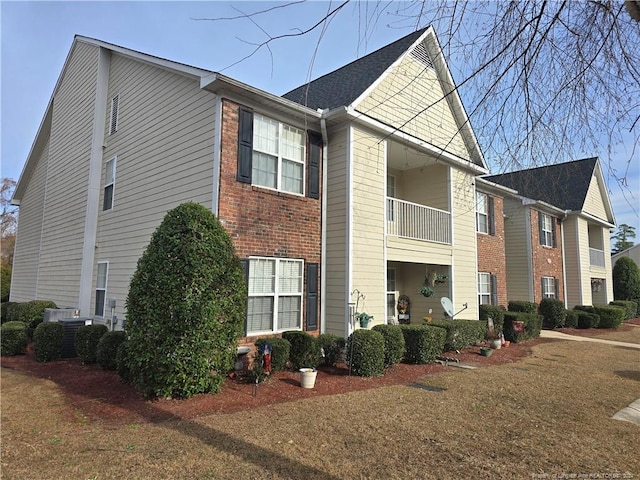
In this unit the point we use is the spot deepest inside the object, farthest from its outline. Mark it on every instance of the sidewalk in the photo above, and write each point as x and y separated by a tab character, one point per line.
628	414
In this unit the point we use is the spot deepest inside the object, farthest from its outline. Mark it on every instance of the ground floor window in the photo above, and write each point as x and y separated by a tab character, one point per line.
484	288
275	295
101	288
548	287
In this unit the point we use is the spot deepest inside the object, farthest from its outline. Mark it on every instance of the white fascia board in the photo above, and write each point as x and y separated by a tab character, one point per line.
415	142
603	186
592	218
543	205
483	183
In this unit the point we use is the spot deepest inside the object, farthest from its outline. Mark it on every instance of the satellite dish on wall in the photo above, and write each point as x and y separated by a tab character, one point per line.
447	304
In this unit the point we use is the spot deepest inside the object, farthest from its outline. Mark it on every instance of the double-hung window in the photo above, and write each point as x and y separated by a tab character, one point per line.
275	295
546	230
278	155
482	215
101	288
548	287
484	288
109	184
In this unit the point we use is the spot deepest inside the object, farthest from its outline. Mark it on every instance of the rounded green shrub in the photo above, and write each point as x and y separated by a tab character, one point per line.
532	326
610	316
186	306
5	311
496	313
333	348
47	341
462	333
572	319
304	352
107	349
630	308
280	349
626	279
522	306
393	343
587	319
122	362
553	313
13	338
365	353
86	341
423	343
33	310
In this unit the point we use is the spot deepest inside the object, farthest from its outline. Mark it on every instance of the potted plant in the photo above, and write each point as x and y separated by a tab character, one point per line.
426	291
364	318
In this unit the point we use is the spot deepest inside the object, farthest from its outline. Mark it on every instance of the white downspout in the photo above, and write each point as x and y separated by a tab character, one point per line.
564	266
323	241
217	152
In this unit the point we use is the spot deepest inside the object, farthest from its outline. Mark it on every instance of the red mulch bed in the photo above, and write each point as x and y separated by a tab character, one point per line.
101	396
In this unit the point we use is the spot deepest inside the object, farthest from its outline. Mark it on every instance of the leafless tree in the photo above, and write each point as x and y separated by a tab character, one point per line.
8	221
543	81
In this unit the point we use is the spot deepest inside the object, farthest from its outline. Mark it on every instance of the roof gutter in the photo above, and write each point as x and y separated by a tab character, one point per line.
592	218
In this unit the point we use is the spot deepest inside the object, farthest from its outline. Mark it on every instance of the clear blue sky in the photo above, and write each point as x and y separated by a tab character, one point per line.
36	37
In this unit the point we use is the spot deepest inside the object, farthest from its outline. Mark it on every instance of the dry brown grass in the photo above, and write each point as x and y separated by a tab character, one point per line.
548	414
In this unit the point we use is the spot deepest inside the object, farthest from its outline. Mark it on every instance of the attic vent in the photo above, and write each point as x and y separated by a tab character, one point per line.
420	54
113	125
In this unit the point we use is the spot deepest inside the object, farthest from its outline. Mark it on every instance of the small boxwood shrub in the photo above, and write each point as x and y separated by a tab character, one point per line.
610	316
107	349
13	338
333	348
393	343
532	326
122	362
496	313
365	353
630	308
423	343
86	341
280	349
462	333
33	310
553	313
586	319
585	308
522	306
304	351
572	319
5	309
47	341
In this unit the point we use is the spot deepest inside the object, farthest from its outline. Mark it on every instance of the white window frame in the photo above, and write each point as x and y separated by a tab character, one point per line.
482	200
481	293
392	290
101	288
391	193
547	229
114	114
280	159
109	182
548	287
276	293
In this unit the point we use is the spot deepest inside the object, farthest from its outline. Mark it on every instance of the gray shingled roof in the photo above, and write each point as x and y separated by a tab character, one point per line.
564	185
343	86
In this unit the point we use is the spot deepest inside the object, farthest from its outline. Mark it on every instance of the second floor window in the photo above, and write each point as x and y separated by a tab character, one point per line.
278	155
547	234
109	184
482	213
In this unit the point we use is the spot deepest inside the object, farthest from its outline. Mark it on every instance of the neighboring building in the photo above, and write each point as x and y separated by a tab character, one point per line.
632	252
401	164
128	136
490	228
568	205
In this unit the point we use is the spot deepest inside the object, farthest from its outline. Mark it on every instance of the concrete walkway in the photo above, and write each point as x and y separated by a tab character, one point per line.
627	414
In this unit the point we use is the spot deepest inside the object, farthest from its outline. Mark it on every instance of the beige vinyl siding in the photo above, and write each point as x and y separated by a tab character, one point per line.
411	99
27	252
582	236
428	186
608	265
336	234
67	179
517	245
594	201
164	149
367	223
572	261
464	279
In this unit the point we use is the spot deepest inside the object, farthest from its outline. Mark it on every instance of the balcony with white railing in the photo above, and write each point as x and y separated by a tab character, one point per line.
596	257
418	222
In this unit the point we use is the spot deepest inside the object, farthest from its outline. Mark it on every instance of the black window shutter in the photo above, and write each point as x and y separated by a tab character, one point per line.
541	289
490	216
540	232
245	273
553	233
245	144
556	287
315	153
494	290
312	296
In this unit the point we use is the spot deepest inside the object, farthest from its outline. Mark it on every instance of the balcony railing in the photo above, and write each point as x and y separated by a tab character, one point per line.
596	257
411	220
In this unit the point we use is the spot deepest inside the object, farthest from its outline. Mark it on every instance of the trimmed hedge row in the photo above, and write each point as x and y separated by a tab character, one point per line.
13	338
393	343
630	308
495	313
462	333
610	316
532	326
423	343
522	306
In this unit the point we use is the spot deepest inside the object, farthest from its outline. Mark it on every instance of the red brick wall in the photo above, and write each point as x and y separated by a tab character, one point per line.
547	261
260	221
491	251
